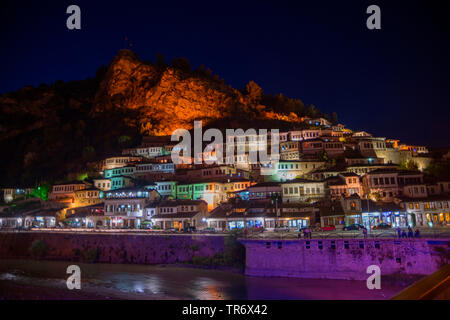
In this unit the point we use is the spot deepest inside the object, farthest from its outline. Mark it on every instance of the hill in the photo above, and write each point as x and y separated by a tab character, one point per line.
50	131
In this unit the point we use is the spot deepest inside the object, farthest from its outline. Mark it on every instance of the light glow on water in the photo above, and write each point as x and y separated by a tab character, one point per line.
170	282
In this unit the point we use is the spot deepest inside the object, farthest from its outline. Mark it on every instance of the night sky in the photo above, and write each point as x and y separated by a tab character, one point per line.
392	82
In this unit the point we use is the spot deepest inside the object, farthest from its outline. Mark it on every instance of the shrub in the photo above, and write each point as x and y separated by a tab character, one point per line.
234	253
38	248
90	255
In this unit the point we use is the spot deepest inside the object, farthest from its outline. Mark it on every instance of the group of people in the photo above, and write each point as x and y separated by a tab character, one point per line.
307	233
410	234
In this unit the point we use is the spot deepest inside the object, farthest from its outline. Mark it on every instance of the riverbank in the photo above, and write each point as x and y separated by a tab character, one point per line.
10	290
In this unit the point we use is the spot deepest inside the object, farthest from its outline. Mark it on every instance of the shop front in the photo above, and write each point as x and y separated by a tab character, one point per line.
351	219
294	223
115	222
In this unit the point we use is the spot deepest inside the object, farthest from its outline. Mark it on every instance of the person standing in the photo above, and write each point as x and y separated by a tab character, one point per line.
365	233
417	233
410	232
399	232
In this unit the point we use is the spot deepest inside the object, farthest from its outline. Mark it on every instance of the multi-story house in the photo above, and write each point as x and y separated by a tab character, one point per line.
319	122
263	190
332	146
119	161
287	170
345	184
128	170
415	150
290	150
325	173
371	213
103	184
154	171
370	146
119	182
124	208
10	194
261	214
427	211
386	184
362	169
147	151
177	214
302	190
363	161
65	192
88	197
203	172
167	188
213	192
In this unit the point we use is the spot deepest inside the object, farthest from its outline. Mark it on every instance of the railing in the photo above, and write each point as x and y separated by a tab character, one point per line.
391	234
433	287
442	233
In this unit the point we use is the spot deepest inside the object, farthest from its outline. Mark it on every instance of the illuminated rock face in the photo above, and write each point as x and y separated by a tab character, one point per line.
167	99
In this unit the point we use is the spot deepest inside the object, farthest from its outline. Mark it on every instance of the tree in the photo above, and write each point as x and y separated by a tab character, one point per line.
88	153
254	93
182	63
322	155
439	169
334	118
41	192
408	165
160	62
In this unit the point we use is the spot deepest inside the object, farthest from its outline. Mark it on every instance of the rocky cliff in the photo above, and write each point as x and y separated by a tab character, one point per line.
52	130
167	98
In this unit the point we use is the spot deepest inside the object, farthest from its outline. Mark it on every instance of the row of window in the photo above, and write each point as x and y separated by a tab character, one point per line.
384	181
428	205
66	188
294	166
169	166
374	145
103	185
295	190
90	194
337	191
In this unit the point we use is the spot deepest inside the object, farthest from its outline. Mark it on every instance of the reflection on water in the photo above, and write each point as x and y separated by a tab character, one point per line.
167	282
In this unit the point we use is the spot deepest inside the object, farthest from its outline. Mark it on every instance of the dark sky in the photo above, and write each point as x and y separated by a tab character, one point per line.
392	82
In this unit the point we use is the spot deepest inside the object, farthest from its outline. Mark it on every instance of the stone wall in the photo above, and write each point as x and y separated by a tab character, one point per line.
343	259
113	248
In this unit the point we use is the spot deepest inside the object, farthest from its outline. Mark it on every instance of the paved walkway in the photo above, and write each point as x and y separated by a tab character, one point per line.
441	233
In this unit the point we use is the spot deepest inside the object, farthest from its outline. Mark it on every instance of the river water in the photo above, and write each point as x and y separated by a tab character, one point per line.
172	282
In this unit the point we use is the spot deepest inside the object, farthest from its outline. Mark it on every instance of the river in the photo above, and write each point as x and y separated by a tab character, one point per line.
30	279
